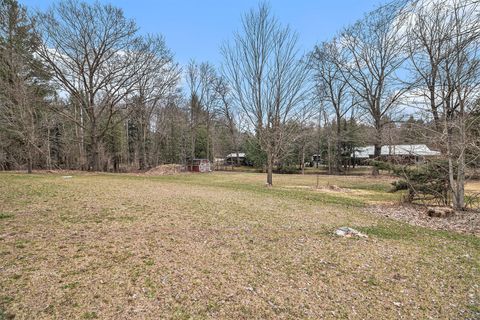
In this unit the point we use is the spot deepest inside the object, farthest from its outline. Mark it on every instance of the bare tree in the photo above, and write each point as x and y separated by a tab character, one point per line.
445	46
210	103
154	88
171	131
267	78
201	79
428	34
97	58
460	78
304	142
227	108
332	86
374	50
194	105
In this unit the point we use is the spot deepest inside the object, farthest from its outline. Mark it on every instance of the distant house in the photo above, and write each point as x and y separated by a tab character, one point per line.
403	153
231	158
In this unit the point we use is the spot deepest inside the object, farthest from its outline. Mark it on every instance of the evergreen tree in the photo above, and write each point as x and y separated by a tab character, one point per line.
23	86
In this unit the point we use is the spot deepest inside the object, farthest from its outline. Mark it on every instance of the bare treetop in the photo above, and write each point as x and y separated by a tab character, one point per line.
267	78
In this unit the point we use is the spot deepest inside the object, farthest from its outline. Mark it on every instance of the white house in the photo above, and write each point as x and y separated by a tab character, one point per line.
417	152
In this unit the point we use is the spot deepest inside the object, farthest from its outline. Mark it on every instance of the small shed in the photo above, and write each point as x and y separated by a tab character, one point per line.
199	165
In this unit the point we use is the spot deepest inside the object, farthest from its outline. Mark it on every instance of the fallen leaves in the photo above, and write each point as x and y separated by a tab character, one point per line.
464	222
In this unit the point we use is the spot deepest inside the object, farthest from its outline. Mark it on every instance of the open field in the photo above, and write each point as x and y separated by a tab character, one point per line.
223	246
359	170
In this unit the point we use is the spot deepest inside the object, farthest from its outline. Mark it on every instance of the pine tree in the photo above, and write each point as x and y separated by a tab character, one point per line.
23	85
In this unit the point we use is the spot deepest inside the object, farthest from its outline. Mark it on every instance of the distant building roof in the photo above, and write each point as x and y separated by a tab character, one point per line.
234	155
397	150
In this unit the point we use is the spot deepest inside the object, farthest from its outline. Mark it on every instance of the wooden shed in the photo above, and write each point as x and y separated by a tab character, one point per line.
199	165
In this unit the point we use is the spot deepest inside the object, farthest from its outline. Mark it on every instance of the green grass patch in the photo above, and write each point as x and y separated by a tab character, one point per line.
72	285
4	315
149	262
394	230
4	215
21	244
475	309
90	315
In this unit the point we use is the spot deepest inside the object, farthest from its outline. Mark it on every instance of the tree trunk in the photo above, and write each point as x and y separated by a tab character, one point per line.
270	161
142	161
115	163
459	198
458	184
338	155
458	201
127	138
213	153
208	136
49	149
208	147
29	160
81	141
329	151
376	155
436	117
94	152
192	151
193	131
303	159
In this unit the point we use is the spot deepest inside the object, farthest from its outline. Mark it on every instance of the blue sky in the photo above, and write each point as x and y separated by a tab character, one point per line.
195	29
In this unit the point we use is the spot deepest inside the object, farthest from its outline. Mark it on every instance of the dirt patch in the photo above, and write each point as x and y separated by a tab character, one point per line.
336	188
166	169
331	187
464	222
298	187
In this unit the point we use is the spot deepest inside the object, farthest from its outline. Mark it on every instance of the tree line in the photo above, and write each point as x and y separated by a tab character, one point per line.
82	88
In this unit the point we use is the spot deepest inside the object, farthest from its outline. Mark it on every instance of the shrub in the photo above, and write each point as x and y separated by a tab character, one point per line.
425	182
289	169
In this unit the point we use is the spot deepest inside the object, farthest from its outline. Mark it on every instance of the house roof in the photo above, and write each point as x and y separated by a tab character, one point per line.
397	150
234	155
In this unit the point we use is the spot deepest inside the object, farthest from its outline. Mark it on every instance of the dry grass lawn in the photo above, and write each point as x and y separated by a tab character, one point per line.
222	246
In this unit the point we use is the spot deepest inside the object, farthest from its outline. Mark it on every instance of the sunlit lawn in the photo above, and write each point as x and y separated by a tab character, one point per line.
222	245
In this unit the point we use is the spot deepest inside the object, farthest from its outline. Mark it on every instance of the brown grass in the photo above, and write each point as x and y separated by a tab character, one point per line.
221	246
473	186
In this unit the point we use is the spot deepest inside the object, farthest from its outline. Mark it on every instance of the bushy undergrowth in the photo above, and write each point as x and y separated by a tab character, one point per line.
425	182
